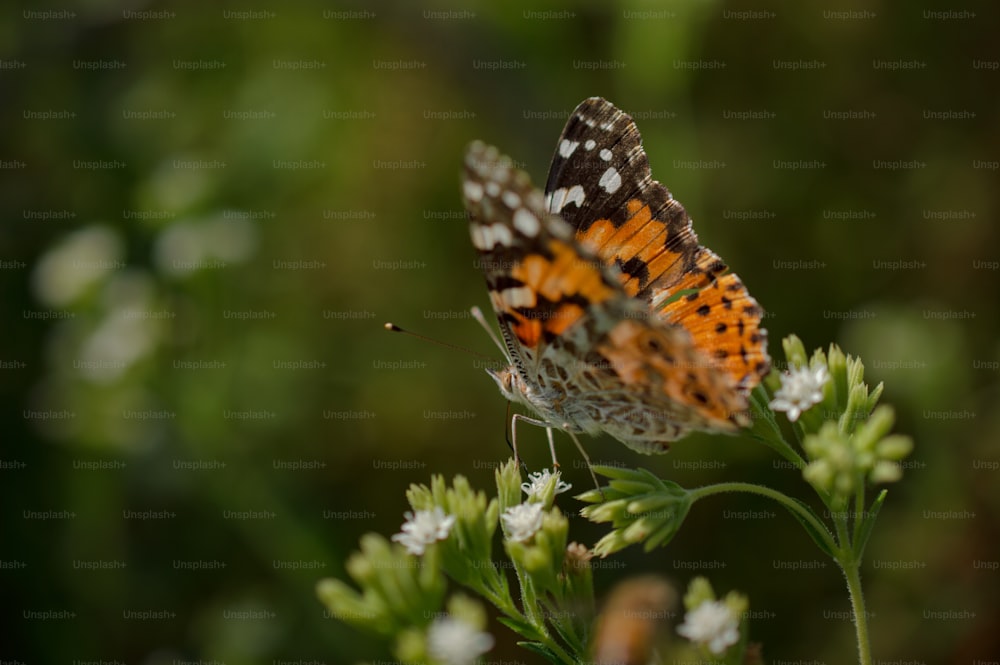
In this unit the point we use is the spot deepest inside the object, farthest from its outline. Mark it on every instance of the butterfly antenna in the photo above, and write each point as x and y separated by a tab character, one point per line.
392	327
477	314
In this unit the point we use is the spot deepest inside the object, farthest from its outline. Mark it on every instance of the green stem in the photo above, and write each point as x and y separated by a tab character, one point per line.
849	565
766	429
507	607
859	511
528	598
529	602
800	432
502	603
843	553
783	449
799	509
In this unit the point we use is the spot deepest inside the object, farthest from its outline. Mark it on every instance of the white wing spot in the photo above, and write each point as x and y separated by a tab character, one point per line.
488	237
610	180
481	237
473	190
526	223
575	195
492	188
511	199
555	200
518	296
606	155
567	147
502	235
562	197
589	145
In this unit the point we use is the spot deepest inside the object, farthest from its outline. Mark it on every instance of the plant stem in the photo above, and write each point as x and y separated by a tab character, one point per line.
849	565
783	449
766	428
843	552
794	506
531	613
858	517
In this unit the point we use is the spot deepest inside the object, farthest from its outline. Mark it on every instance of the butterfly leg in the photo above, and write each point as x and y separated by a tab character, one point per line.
586	457
552	448
531	421
552	445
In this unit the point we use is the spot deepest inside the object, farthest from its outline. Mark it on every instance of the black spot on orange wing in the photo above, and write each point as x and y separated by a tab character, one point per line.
636	269
659	363
725	324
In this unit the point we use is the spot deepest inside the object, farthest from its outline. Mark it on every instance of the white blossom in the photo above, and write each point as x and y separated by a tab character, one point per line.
424	528
455	642
539	480
800	389
713	624
522	521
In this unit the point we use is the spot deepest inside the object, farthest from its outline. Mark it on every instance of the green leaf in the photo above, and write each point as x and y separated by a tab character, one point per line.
867	524
560	619
520	627
542	650
766	429
813	533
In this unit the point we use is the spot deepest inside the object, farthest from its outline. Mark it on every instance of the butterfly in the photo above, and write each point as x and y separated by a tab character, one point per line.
613	317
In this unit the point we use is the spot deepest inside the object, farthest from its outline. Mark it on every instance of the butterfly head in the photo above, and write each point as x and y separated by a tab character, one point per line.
510	384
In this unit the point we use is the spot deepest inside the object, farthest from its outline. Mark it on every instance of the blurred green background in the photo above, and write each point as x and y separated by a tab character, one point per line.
208	212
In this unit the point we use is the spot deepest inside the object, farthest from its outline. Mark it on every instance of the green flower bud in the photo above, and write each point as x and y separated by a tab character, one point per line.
795	351
468	610
885	472
894	447
699	591
508	479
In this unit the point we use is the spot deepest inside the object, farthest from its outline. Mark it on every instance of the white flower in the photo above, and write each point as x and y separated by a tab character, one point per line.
539	480
455	642
522	521
77	262
712	623
424	528
800	389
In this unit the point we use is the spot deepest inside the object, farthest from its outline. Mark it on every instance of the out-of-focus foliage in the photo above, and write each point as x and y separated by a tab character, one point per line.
209	211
